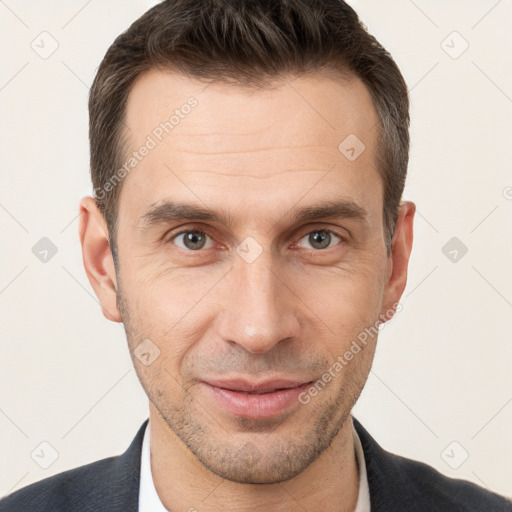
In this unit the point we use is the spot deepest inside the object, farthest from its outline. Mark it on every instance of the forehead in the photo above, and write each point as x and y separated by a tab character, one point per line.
221	144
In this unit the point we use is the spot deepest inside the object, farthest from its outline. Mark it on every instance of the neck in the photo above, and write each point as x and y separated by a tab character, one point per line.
331	482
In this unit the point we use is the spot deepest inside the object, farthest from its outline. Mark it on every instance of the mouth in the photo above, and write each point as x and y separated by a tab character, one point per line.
256	400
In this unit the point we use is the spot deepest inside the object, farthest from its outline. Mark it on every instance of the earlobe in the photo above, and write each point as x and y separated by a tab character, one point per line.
399	259
97	257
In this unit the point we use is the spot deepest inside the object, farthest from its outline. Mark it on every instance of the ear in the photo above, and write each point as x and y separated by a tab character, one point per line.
97	257
398	260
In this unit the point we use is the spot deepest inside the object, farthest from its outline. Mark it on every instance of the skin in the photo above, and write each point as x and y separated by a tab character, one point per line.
290	313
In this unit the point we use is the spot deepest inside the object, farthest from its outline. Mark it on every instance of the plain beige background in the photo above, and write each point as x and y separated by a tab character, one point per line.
441	387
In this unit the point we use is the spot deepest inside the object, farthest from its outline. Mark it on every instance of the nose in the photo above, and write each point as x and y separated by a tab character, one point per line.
261	309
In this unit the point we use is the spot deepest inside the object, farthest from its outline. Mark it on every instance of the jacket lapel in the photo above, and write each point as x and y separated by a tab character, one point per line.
390	490
117	486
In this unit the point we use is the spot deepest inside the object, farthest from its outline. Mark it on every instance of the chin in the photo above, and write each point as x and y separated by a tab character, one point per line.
261	472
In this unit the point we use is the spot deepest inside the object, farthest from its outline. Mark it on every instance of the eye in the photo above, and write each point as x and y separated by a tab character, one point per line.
192	240
321	238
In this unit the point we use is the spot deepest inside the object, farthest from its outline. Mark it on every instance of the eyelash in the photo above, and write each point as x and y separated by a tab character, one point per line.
201	230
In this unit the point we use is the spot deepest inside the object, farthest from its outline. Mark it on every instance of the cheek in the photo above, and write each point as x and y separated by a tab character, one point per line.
349	295
168	309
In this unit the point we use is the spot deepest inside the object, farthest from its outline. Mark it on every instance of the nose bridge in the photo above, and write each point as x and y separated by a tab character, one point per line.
260	311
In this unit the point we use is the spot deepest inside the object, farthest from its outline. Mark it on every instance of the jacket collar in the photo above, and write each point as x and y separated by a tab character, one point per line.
123	479
389	487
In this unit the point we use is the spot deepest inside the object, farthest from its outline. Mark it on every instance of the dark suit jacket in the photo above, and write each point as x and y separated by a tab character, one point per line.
396	484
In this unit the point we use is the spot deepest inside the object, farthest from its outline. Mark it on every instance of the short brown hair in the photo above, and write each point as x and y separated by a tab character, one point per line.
248	42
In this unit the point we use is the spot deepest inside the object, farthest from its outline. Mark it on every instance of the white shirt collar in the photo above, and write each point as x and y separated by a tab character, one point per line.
149	500
363	499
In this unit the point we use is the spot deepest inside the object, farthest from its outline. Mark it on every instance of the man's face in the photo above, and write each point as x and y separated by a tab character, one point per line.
261	300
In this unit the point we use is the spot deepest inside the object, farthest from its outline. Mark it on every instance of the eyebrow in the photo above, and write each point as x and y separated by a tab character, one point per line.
168	211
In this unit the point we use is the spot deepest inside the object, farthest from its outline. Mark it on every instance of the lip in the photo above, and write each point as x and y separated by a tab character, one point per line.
256	400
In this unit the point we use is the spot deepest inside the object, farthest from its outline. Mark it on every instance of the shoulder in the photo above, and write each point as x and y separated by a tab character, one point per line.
63	491
433	489
399	483
110	485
